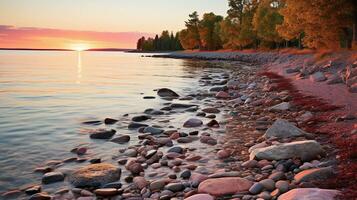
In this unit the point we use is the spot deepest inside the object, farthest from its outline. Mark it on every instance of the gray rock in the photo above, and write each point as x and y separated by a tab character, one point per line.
153	130
277	176
306	150
135	125
157	185
95	175
282	186
116	185
40	196
256	188
268	184
176	149
122	139
211	110
334	79
185	174
52	177
102	134
140	118
151	111
283	129
193	122
175	187
131	152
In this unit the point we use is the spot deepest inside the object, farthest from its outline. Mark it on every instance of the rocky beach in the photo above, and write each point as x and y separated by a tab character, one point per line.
249	131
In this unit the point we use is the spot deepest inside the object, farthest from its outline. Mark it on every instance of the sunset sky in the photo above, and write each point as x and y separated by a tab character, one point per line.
93	23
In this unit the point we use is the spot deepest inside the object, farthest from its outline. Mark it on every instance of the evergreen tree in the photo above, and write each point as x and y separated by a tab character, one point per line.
209	31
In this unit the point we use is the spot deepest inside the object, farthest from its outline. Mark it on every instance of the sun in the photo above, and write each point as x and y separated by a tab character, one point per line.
79	47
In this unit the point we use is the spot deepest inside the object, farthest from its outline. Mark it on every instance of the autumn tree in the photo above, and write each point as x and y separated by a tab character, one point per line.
265	20
320	22
192	32
209	31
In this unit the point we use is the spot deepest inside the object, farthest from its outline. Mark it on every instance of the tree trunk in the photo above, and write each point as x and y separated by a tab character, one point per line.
300	42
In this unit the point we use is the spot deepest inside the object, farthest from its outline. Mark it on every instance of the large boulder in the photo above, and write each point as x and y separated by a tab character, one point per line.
314	174
95	175
224	186
165	92
200	197
306	150
283	129
309	193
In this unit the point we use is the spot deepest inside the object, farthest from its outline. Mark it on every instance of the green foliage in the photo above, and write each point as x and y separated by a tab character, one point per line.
209	31
166	42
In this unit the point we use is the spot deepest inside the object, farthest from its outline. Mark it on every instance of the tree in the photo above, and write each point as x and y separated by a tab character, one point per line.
229	33
140	43
209	31
192	26
247	36
156	43
265	20
321	22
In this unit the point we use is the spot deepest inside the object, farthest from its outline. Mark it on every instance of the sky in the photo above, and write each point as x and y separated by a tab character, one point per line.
93	23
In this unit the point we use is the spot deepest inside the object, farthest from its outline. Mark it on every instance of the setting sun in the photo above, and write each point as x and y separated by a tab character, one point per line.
79	47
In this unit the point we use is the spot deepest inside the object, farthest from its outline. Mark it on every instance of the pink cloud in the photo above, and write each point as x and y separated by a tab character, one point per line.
31	37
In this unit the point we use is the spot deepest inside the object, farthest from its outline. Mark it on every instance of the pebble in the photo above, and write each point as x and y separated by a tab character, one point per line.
106	191
141	118
268	184
175	187
40	196
110	121
52	177
222	154
193	122
282	186
102	134
185	174
256	188
122	139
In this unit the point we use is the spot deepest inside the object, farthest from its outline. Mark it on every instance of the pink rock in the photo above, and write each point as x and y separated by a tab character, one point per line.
196	177
222	154
263	163
309	193
81	151
224	186
200	197
222	94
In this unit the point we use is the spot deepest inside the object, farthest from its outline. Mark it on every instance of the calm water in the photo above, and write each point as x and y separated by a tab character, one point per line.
44	97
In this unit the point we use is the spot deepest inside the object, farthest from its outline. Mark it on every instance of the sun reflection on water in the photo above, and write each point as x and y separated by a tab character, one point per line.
79	68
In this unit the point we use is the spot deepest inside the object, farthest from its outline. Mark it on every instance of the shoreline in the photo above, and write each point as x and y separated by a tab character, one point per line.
198	158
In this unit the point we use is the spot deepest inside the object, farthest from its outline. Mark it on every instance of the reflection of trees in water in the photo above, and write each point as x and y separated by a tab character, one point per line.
196	66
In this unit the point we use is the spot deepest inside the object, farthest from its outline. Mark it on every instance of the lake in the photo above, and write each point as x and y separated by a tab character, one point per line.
46	95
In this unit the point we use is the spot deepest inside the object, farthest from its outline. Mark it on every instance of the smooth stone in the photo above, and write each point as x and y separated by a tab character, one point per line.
102	134
149	97
224	174
93	122
193	122
223	154
200	197
305	150
185	174
213	123
134	167
140	118
106	192
283	129
33	190
150	153
135	125
175	149
151	111
175	187
110	121
153	130
122	139
208	140
309	193
224	186
250	164
181	105
184	140
268	184
211	110
116	185
222	95
52	177
264	196
318	77
256	188
95	175
277	176
282	186
165	92
131	152
314	174
157	185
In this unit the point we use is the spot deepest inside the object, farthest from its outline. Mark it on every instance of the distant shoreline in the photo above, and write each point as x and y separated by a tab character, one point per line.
35	49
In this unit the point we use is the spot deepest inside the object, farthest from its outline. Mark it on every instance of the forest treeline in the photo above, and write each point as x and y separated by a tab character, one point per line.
315	24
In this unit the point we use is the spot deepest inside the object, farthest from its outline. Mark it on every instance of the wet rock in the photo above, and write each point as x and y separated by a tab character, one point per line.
149	97
150	153
309	193
224	186
213	123
318	77
185	140
283	129
200	197
334	79
116	185
122	139
281	107
277	176
153	130
193	122
52	177
305	150
140	118
95	175
134	167
94	122
151	111
140	182
250	164
211	110
106	192
131	152
40	196
165	92
110	121
176	149
102	134
175	187
180	105
314	174
256	188
135	125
